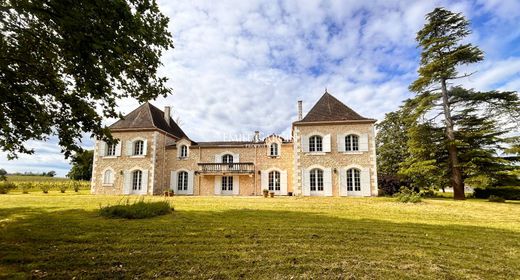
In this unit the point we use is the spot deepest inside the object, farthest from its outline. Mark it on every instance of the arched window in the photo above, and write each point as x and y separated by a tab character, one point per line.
274	181
182	181
184	151
108	177
111	150
351	142
316	179
137	180
274	149
353	180
138	147
227	158
315	143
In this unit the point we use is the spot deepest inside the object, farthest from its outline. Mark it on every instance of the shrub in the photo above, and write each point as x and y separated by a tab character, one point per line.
5	187
510	193
390	184
76	185
494	198
406	195
62	187
137	210
44	187
25	187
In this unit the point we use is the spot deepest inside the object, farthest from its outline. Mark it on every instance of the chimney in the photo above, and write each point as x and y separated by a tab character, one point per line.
167	114
256	139
300	105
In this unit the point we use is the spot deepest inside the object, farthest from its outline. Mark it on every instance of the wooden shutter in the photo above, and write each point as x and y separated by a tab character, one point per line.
363	142
365	181
327	181
144	185
343	181
127	182
236	158
306	182
326	143
341	142
264	179
236	185
218	158
118	148
218	182
305	143
102	148
283	182
191	179
173	181
145	147
129	148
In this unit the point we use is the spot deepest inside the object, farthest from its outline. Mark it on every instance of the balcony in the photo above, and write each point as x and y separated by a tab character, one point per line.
226	168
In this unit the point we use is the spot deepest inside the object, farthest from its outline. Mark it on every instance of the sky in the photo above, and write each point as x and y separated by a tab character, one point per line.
240	66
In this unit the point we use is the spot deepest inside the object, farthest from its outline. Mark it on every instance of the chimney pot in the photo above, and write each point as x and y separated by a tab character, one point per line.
167	110
300	106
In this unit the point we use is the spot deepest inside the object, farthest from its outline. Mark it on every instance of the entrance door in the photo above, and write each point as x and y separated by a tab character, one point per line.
354	182
227	185
316	182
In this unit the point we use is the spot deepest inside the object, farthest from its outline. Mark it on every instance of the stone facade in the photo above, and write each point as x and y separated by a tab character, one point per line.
151	159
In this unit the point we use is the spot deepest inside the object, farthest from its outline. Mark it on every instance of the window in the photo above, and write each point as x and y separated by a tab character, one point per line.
227	183
274	181
138	147
315	144
182	181
351	142
274	149
227	158
111	150
316	179
184	151
353	180
107	177
137	178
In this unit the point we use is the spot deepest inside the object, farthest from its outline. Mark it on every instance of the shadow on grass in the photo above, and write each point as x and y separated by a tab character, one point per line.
247	244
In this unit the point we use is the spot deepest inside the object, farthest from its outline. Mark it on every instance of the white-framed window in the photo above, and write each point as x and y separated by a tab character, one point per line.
227	158
353	180
316	179
274	181
184	151
182	181
111	150
315	143
227	183
137	180
274	149
108	177
351	143
138	148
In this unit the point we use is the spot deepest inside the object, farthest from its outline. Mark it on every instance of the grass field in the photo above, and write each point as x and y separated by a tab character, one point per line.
63	236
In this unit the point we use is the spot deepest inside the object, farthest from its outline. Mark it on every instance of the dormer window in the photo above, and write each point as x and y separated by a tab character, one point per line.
138	148
316	144
184	151
111	150
227	158
351	143
274	150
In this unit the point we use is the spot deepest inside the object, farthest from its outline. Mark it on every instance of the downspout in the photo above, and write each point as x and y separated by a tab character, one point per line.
200	180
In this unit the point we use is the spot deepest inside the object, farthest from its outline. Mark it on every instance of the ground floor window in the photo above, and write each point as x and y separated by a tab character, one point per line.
108	177
137	180
274	181
353	180
182	181
316	176
227	183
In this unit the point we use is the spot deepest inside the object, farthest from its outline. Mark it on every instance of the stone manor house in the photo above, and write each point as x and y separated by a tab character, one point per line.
331	153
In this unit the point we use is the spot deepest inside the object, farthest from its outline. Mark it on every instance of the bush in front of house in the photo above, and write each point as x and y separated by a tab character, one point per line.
407	195
389	185
5	187
509	192
494	198
139	209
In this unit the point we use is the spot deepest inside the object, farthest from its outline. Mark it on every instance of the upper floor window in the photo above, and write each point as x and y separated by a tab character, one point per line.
316	144
182	181
353	180
184	151
274	181
274	149
108	177
138	148
351	142
316	178
111	150
227	158
137	180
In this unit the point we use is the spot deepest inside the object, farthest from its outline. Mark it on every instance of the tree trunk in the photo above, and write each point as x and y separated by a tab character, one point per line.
456	175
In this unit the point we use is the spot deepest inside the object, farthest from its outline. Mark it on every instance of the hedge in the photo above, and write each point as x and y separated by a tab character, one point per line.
510	193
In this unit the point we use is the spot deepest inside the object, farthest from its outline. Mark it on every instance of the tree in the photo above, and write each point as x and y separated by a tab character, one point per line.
391	143
63	61
442	52
2	174
51	173
82	165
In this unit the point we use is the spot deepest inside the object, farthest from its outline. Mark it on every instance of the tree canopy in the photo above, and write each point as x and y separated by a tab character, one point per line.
65	63
82	165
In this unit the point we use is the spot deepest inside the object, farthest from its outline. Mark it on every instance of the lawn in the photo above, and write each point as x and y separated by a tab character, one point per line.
63	236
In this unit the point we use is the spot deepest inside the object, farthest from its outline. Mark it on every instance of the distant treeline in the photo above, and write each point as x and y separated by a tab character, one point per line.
44	174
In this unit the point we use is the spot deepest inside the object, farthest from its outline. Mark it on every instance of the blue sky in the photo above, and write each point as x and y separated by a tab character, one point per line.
241	66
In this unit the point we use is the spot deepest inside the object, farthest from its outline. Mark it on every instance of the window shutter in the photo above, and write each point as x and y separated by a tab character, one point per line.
236	158
173	181
236	185
326	143
118	148
144	186
363	142
218	186
218	158
283	182
342	182
191	179
102	148
264	179
306	182
127	182
327	181
305	143
129	148
145	147
341	143
365	181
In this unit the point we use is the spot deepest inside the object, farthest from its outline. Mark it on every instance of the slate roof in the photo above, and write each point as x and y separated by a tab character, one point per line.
148	116
328	108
